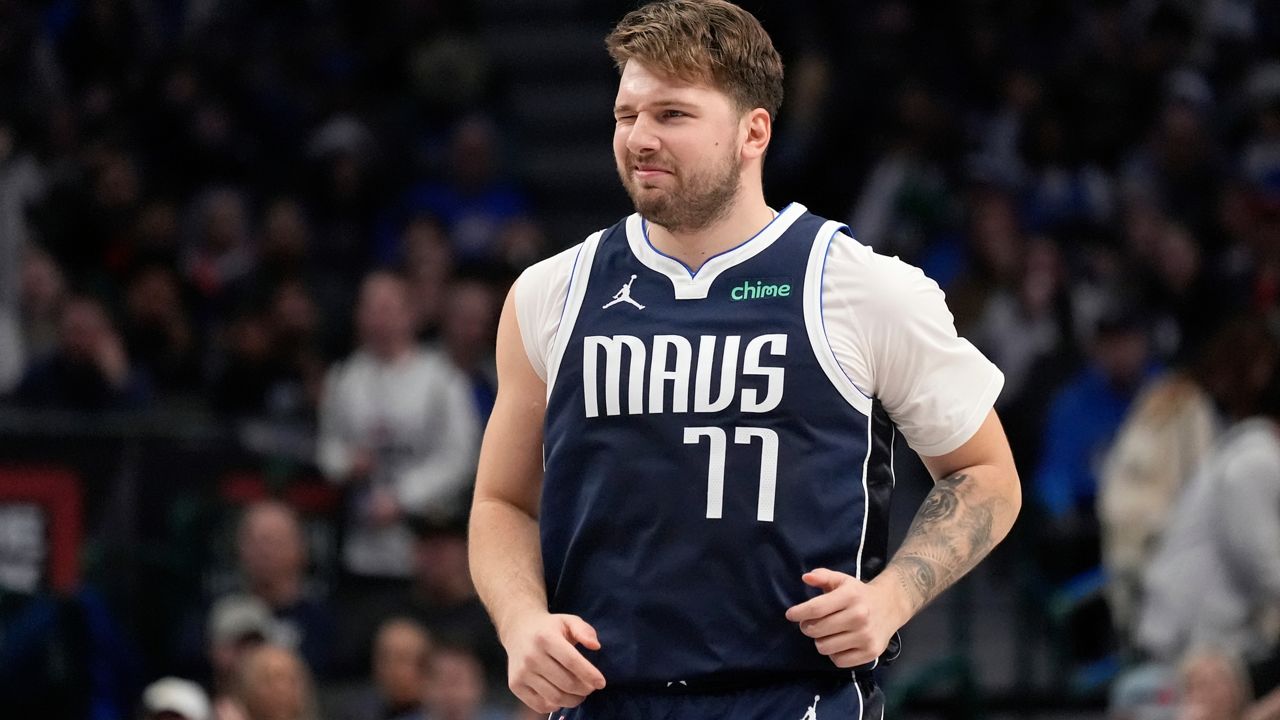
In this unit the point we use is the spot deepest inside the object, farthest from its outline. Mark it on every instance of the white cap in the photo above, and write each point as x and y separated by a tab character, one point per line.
176	695
236	616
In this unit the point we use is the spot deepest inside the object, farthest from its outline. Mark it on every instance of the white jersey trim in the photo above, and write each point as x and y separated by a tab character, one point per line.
572	306
694	285
815	322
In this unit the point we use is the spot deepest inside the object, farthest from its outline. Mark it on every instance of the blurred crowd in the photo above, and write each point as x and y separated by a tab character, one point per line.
308	212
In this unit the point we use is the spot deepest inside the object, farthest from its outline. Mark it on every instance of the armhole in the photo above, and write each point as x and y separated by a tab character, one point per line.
573	297
815	323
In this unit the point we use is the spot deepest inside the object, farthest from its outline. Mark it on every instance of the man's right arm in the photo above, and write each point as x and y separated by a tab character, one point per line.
545	670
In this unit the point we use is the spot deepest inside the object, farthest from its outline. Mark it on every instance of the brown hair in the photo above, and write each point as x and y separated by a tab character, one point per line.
706	41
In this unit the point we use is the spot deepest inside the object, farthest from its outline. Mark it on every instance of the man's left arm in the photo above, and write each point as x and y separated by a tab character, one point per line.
974	501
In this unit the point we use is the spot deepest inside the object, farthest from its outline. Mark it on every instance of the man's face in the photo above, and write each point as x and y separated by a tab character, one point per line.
271	544
400	662
678	148
384	316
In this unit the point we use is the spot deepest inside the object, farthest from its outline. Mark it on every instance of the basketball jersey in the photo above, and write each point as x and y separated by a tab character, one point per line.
700	456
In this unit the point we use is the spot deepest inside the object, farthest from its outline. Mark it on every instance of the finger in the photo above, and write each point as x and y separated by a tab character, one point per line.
825	579
525	694
815	608
585	676
846	619
581	632
853	658
564	681
554	695
840	642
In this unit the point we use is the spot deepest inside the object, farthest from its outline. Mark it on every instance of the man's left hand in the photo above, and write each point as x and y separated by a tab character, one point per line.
851	622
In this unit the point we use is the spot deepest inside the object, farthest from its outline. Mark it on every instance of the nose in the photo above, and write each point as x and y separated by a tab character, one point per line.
641	138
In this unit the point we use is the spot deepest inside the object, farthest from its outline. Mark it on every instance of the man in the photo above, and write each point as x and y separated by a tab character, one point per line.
681	507
90	370
272	550
401	652
397	425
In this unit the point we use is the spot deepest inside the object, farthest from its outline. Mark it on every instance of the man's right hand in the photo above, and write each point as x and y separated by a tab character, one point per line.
544	668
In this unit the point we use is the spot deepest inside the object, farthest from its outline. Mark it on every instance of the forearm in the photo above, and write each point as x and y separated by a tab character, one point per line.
965	515
506	561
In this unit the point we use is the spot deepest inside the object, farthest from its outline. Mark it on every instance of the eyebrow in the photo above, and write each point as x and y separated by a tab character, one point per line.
665	103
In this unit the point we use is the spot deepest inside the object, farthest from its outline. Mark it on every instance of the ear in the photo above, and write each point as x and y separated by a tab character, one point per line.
757	127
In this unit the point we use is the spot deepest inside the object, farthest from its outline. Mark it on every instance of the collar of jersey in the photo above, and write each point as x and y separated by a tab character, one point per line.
692	284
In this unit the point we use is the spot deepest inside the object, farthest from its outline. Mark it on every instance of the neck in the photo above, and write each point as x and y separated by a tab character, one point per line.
280	591
392	352
747	215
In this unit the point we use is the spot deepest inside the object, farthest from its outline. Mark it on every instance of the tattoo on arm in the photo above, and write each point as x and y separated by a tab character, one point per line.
951	532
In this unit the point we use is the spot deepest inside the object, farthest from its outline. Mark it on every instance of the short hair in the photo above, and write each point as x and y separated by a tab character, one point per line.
703	41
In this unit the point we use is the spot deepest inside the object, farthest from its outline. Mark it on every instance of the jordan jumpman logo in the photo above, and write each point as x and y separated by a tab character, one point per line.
812	712
623	295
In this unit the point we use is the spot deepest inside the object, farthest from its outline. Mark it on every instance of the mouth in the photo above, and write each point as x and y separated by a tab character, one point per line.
648	172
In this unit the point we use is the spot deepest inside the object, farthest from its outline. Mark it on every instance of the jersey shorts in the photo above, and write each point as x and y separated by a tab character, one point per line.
817	699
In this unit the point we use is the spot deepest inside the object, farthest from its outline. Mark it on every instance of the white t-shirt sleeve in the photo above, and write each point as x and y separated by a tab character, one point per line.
892	334
540	298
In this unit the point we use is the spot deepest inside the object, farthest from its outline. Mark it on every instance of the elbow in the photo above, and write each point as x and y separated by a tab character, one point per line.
1013	493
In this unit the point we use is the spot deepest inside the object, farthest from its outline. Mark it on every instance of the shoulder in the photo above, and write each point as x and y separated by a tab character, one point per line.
886	284
433	361
348	368
539	298
546	275
1253	442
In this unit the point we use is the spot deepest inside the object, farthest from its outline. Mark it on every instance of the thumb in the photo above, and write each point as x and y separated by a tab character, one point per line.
824	579
581	632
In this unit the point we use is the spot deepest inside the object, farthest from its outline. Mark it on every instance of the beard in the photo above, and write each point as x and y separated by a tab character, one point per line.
693	202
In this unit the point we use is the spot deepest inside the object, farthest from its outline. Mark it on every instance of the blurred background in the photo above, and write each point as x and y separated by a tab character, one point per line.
252	255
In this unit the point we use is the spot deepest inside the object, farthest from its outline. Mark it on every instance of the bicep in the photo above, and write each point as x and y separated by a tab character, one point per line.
893	335
510	469
987	447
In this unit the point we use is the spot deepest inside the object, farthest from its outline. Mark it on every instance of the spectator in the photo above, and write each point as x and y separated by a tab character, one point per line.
398	428
469	326
1217	685
1083	418
401	655
477	205
158	332
273	683
272	556
237	625
1085	415
271	366
44	291
444	600
455	688
173	698
344	194
296	331
1026	331
242	386
997	251
90	370
219	255
1179	168
428	265
1167	434
1221	540
21	185
908	199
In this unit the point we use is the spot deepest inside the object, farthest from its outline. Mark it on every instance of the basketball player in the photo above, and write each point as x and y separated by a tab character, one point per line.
681	509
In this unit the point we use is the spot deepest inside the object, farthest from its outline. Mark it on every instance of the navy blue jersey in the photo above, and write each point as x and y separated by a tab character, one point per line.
699	460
